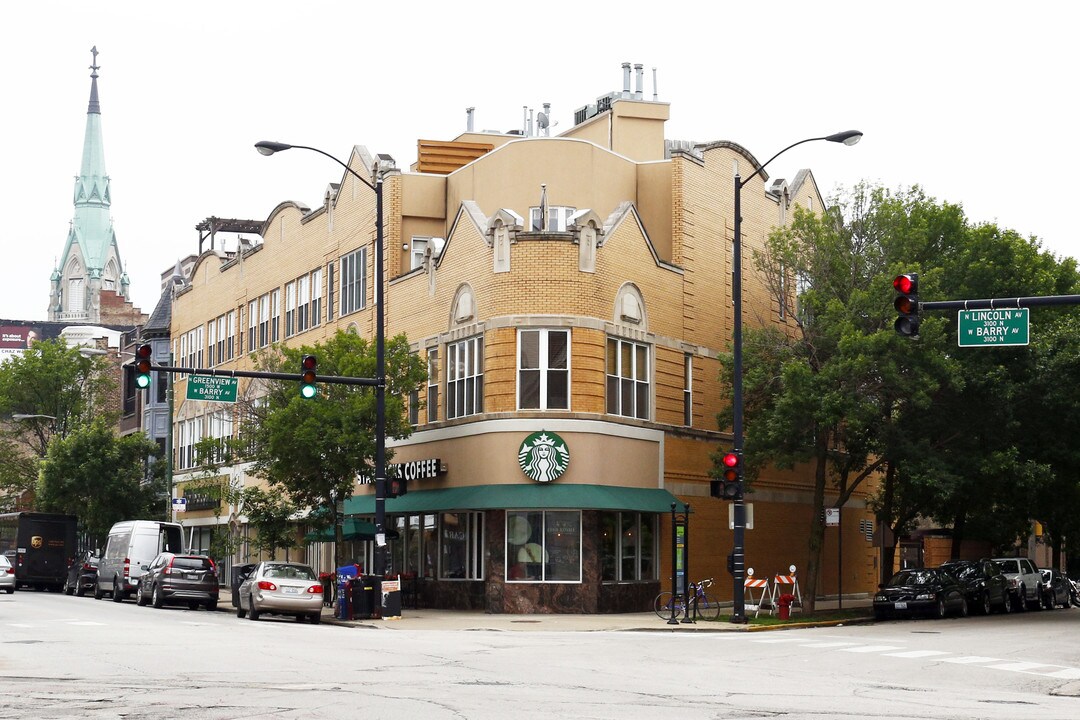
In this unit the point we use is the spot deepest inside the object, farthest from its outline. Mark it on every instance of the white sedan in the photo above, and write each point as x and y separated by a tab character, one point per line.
281	588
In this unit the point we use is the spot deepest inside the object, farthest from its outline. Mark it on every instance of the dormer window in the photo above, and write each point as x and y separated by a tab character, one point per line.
557	218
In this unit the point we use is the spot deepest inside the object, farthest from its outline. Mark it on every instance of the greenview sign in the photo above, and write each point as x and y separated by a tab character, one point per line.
993	328
214	389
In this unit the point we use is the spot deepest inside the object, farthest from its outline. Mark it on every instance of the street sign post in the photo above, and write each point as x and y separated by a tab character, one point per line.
993	328
179	504
214	389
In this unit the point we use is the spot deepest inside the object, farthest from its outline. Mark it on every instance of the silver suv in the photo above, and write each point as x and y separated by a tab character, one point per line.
1025	581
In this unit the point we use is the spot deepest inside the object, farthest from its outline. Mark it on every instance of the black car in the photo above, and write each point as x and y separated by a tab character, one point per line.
1057	589
172	579
923	591
985	586
82	574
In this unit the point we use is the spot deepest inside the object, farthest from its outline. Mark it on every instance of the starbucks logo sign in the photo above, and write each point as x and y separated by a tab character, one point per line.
543	456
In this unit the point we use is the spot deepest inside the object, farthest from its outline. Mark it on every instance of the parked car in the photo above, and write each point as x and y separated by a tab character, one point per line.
923	591
132	544
171	578
1025	580
985	586
281	588
7	575
1056	589
82	575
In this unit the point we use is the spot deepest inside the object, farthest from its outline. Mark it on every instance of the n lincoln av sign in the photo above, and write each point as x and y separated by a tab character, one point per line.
993	328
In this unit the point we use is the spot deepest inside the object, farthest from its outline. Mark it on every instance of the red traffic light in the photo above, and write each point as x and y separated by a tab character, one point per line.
731	462
906	283
907	304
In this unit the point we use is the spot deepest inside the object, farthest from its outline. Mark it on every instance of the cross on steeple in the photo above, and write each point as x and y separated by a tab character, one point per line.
95	67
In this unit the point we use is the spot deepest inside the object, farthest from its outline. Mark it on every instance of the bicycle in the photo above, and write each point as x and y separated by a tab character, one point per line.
668	606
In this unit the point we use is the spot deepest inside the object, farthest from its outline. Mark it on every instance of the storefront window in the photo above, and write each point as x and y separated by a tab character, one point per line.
609	546
627	546
543	546
461	543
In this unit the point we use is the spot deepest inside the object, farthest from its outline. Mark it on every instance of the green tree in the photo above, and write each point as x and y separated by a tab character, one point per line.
272	516
49	379
102	478
315	450
829	392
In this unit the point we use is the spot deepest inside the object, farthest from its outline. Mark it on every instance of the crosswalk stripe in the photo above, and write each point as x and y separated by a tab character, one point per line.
774	640
1017	666
970	659
870	648
828	644
1066	674
917	653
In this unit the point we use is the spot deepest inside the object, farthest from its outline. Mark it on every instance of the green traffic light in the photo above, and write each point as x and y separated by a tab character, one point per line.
142	381
308	391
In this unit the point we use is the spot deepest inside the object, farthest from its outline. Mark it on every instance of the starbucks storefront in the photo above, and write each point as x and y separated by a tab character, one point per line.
524	548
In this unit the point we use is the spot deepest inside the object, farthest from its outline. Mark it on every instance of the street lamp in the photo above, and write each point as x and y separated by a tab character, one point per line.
266	147
738	553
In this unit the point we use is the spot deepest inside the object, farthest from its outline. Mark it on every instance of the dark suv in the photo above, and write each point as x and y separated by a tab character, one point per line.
172	579
985	586
82	575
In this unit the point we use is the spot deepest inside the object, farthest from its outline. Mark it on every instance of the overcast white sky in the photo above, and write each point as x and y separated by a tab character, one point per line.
974	101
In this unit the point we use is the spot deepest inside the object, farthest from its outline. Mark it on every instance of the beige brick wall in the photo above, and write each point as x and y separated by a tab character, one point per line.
684	282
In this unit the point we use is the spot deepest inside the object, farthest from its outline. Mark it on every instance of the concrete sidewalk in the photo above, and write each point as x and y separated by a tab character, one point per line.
422	619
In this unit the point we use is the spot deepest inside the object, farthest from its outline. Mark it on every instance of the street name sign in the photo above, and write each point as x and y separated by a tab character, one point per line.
993	328
214	389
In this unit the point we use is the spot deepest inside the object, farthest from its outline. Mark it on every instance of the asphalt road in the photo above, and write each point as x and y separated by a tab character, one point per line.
66	657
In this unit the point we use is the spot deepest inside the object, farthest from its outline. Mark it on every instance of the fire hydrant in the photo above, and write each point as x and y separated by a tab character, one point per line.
784	603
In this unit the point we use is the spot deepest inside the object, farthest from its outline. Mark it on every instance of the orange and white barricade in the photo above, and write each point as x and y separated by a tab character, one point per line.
750	585
785	585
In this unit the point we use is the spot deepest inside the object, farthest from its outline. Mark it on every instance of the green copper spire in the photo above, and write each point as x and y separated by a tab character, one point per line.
91	259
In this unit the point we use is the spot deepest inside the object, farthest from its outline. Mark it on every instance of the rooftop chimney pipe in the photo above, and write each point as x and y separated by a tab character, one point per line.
626	79
639	70
469	119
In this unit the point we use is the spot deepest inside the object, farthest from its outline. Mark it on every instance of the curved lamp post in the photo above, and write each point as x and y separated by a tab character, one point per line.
266	147
738	553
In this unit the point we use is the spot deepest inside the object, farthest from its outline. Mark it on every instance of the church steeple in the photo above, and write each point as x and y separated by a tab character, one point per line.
90	262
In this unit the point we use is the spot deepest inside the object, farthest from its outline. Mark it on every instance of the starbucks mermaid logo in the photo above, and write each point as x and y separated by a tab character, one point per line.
543	456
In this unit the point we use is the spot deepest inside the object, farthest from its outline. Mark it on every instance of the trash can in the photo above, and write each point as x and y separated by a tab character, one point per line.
391	597
365	593
240	573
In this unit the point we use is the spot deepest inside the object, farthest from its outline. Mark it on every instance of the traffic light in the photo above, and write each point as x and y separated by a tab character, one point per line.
729	486
308	365
396	487
907	304
143	366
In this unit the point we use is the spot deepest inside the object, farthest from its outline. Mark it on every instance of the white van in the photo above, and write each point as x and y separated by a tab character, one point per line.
132	544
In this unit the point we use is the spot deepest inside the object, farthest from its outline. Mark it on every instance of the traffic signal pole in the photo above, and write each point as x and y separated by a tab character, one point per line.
298	377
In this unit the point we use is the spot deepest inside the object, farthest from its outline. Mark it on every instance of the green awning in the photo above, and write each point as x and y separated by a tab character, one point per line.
354	530
521	497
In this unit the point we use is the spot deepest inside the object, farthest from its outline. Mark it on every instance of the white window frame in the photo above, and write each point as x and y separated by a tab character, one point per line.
624	407
545	372
303	303
290	309
465	377
353	281
316	297
558	218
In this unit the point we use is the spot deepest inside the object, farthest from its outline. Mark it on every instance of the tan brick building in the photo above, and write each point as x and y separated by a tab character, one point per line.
570	295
